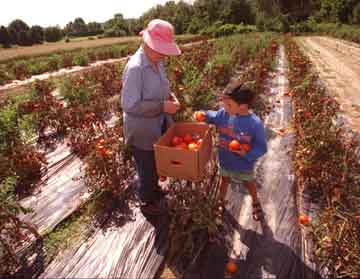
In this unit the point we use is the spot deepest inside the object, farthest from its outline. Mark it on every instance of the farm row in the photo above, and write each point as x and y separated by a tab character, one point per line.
79	120
327	169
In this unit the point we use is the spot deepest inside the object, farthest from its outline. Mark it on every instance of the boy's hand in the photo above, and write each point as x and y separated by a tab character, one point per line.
240	152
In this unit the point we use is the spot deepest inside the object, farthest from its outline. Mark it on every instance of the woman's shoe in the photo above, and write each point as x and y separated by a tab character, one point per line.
154	208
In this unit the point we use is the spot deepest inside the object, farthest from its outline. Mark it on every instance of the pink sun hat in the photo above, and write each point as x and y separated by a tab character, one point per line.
159	36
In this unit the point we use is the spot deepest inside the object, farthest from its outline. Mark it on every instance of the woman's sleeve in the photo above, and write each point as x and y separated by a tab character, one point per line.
131	96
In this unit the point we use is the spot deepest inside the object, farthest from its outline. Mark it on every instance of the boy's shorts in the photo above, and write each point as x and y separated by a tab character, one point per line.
238	175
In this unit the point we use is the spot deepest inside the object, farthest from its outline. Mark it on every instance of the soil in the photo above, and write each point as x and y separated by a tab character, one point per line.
338	65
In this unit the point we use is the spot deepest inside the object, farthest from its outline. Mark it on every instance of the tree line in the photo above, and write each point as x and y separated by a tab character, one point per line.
192	18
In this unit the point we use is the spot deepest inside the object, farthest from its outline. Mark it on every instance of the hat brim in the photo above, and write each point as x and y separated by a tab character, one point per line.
162	47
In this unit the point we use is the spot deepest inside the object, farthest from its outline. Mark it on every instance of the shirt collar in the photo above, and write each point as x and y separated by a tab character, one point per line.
145	60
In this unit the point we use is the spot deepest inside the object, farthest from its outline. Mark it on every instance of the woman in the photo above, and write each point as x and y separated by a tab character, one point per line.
148	104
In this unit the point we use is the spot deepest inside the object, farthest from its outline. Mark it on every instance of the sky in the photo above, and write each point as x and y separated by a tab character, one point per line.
50	13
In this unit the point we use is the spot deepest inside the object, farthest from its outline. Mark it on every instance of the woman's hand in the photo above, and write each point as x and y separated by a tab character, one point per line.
173	98
171	106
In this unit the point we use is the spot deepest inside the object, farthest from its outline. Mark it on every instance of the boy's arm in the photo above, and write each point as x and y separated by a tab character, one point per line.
258	144
213	117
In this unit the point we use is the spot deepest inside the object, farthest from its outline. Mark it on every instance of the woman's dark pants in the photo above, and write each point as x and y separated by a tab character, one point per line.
148	178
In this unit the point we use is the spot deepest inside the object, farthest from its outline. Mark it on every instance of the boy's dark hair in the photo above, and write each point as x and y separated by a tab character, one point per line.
241	94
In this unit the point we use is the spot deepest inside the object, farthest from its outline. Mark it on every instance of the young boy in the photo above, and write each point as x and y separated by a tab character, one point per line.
242	140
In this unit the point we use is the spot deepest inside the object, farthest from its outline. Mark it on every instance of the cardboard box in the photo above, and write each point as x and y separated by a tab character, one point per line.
182	163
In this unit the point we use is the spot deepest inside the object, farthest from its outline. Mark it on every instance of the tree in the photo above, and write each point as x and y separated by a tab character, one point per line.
134	26
337	11
79	27
117	26
24	38
356	14
183	14
68	29
180	15
53	34
15	28
195	25
94	28
208	10
298	10
36	33
236	12
5	39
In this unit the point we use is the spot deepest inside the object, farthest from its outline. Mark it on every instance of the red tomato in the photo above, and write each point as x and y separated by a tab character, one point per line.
200	116
231	267
188	138
304	219
193	146
182	145
176	141
234	145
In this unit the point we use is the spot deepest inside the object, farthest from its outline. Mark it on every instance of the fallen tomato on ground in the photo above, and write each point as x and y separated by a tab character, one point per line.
231	267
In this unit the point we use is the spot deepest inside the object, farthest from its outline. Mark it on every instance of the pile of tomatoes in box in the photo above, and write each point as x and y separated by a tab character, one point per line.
188	141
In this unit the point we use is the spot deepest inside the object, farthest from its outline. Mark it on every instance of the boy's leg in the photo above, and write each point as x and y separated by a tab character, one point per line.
225	181
251	186
257	211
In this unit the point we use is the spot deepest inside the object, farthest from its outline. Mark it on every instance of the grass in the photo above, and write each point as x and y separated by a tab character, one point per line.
74	44
68	232
37	62
49	48
79	226
80	39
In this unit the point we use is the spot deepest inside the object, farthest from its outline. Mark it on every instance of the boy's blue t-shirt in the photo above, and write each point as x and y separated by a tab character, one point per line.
244	128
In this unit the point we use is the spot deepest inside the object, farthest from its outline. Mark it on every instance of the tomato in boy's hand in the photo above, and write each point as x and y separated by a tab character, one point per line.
234	145
200	116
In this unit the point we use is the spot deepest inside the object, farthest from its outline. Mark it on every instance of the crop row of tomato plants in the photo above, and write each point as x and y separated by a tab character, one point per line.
327	167
79	119
197	76
27	67
21	166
